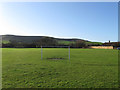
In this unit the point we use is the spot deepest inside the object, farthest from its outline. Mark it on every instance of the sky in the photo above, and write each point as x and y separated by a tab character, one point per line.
94	21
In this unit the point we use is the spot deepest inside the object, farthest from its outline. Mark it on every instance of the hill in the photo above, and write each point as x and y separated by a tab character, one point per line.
26	39
37	41
30	39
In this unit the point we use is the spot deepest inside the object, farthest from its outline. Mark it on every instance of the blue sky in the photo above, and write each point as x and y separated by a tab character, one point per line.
95	21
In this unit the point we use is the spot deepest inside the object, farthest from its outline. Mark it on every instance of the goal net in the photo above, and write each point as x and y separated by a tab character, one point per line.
55	52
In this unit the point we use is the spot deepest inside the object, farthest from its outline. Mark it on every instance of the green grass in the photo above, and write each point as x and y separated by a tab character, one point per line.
94	43
5	42
70	42
87	68
65	42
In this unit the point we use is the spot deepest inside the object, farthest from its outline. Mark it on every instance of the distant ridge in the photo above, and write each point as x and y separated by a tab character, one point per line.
30	39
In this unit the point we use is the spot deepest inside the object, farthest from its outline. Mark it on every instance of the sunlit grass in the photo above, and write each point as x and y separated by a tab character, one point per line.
87	68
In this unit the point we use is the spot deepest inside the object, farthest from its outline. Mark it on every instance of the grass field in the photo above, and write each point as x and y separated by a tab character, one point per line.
87	68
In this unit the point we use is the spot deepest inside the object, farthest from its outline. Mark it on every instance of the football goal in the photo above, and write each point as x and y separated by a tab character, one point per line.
55	52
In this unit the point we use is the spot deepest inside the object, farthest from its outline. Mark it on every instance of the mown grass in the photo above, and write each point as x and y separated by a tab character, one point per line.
87	68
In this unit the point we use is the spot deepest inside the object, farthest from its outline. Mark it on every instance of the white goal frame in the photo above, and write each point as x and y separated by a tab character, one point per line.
55	47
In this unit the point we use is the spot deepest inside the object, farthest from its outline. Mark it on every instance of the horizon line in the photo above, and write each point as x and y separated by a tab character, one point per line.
61	37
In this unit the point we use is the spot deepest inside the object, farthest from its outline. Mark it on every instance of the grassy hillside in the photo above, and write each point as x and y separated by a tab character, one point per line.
65	42
5	41
87	68
94	43
26	39
30	39
87	42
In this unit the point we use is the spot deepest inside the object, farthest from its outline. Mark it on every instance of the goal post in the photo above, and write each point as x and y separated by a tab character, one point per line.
69	52
55	47
41	52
